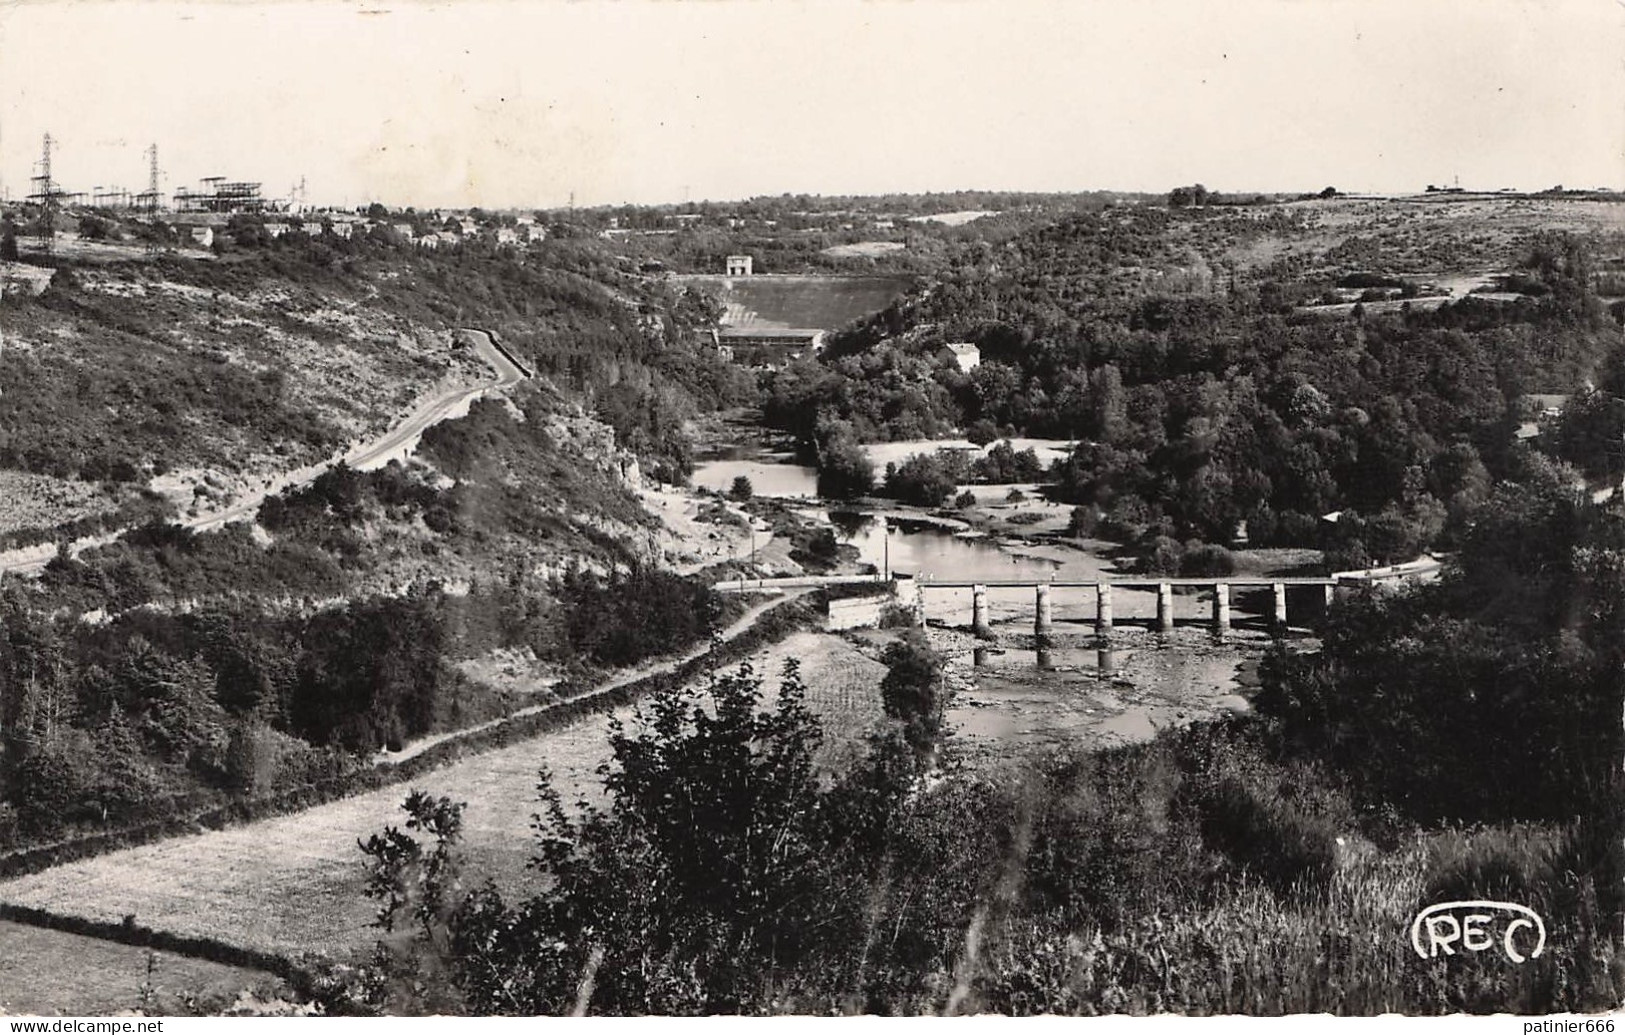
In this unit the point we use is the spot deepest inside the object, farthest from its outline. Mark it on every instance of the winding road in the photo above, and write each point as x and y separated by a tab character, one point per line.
396	443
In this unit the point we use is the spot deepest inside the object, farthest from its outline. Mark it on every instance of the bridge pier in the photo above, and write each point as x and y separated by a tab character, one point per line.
1106	662
1279	612
978	610
1221	609
1103	608
1042	614
1165	607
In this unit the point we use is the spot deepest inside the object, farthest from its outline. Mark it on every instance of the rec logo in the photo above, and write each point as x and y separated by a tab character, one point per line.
1478	925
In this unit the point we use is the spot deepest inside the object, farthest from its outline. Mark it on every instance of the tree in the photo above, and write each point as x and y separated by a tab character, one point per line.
911	691
844	469
922	480
8	241
741	490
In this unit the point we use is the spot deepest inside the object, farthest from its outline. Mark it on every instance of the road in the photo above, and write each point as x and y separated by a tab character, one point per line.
631	675
396	443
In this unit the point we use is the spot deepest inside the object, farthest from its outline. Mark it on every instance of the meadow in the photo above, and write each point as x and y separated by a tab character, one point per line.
45	972
293	884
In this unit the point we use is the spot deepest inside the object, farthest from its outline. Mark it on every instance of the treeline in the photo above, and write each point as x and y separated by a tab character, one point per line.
1492	695
126	721
1199	412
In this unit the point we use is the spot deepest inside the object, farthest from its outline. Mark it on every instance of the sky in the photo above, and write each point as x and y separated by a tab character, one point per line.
526	103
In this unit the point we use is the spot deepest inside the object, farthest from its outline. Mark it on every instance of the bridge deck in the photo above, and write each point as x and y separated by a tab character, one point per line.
1131	583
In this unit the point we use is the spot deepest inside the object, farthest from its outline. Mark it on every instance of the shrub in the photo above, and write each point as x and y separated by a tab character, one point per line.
924	481
982	432
965	500
1082	522
1163	556
844	471
1203	559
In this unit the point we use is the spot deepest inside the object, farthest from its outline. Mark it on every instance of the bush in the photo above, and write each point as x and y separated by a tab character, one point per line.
925	481
1162	557
982	432
844	471
965	500
1082	522
1203	559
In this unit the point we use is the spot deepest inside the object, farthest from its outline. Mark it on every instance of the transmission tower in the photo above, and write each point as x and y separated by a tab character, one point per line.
47	194
148	199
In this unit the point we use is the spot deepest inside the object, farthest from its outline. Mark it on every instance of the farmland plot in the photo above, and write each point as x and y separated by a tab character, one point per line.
293	884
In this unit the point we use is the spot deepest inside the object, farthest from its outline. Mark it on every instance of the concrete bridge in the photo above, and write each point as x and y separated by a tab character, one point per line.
1103	592
910	592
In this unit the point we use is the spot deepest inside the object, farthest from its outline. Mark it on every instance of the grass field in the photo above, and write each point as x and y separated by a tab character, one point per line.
49	972
292	884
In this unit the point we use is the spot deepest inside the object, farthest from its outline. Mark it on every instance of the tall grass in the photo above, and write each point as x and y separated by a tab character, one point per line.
1196	875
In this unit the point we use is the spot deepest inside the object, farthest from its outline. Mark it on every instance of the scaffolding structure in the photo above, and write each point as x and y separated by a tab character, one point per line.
221	195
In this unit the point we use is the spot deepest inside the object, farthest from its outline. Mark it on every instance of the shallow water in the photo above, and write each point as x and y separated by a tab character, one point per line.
1014	700
770	474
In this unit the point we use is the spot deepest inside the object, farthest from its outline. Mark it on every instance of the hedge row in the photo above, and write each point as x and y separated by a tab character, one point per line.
769	627
301	980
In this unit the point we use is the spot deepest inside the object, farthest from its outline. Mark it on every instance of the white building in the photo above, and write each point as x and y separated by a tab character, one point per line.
967	356
203	236
739	266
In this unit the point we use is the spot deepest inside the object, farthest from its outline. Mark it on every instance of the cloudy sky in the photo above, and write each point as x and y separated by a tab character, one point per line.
525	102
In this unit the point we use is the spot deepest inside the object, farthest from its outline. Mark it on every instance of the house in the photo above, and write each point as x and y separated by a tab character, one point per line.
885	224
203	236
534	232
404	229
967	356
738	266
275	229
507	235
311	229
343	229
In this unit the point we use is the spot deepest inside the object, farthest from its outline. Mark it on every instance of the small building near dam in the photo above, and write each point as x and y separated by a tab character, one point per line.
738	266
769	347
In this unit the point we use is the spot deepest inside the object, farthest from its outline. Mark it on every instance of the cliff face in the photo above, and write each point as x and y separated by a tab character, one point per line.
595	443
